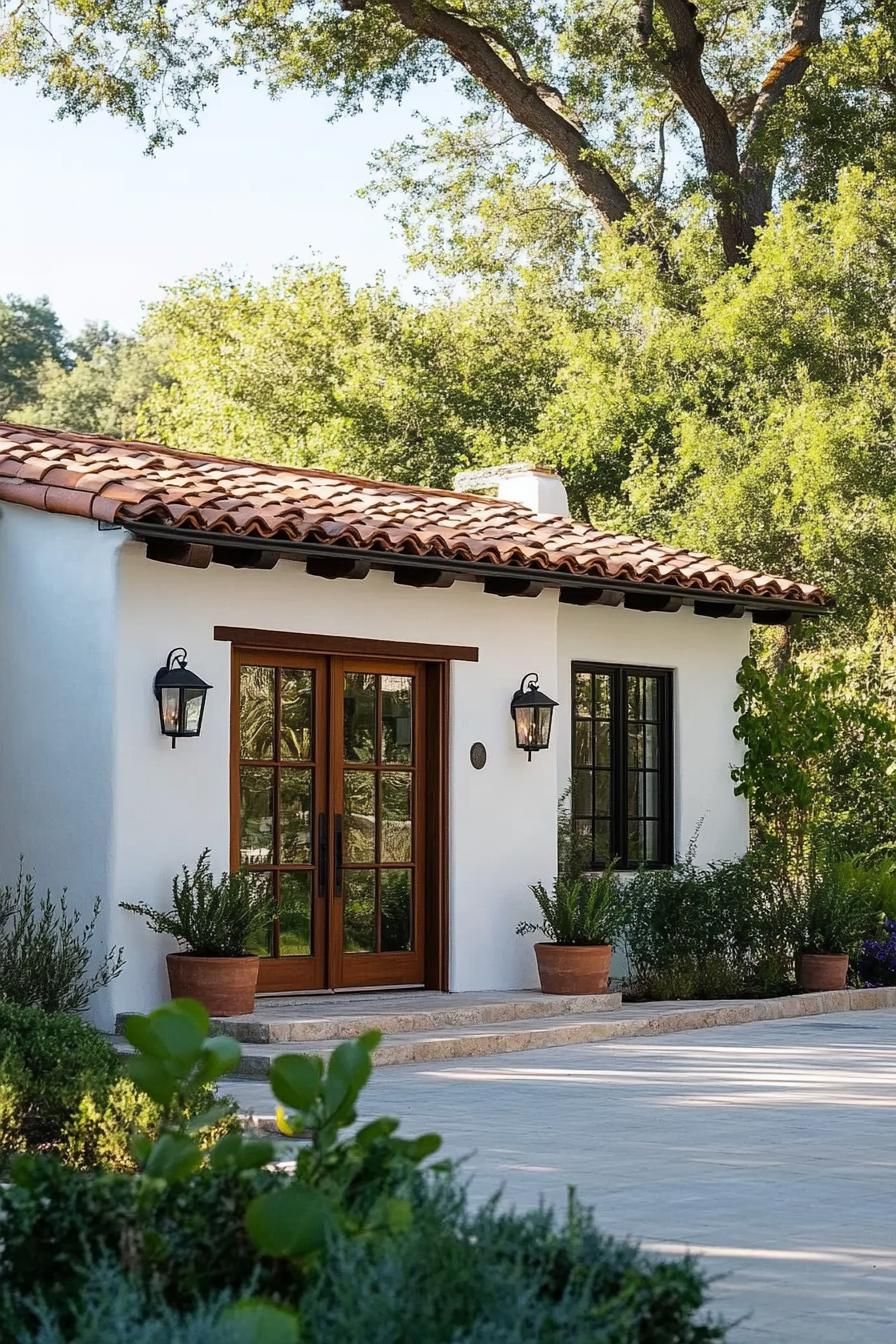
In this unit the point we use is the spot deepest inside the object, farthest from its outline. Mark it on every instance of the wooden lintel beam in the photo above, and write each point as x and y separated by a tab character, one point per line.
422	577
336	567
512	587
244	557
590	597
716	610
652	602
186	553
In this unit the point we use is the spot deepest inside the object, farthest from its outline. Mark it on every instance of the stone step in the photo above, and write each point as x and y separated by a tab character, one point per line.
534	1033
640	1019
337	1017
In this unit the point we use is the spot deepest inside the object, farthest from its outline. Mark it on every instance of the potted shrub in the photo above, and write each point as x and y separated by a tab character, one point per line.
580	920
838	918
214	920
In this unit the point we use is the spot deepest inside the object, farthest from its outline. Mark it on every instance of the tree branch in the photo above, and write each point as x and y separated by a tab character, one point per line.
539	107
682	67
757	176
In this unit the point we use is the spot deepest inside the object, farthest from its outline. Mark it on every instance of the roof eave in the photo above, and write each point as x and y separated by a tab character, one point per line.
392	560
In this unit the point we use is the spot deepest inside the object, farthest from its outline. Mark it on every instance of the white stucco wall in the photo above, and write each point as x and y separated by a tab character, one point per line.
58	610
96	799
170	804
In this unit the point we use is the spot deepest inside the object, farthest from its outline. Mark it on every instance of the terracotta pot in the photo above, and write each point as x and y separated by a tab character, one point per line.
573	970
223	985
822	970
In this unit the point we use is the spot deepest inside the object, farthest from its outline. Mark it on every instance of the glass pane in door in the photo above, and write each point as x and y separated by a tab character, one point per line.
359	918
378	782
395	910
278	788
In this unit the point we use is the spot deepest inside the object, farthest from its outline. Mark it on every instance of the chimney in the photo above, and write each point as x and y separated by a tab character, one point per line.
535	487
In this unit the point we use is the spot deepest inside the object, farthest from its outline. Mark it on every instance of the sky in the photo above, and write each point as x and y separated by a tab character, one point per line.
92	222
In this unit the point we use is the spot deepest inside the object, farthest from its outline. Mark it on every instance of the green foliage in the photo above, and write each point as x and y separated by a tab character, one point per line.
819	742
874	878
719	931
451	1275
50	1061
46	953
582	909
301	371
671	114
99	390
112	1308
211	918
346	1185
168	1236
579	911
357	1243
30	337
63	1091
840	914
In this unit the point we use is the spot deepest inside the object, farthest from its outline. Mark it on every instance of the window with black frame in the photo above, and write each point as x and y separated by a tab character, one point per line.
622	787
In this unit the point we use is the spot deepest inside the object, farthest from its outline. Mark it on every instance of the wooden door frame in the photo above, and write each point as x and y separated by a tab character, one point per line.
436	715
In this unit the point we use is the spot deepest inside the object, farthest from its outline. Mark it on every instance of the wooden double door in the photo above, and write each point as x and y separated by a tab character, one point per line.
328	808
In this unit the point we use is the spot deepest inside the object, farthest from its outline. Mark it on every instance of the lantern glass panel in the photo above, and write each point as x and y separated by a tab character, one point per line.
543	725
194	699
524	717
169	707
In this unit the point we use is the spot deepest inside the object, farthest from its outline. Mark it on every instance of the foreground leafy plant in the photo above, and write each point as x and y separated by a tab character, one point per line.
176	1055
369	1248
456	1274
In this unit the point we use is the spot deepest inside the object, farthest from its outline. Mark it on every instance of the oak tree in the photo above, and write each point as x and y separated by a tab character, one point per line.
649	106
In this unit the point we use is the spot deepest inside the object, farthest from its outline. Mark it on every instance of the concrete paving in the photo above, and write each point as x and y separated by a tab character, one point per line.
769	1149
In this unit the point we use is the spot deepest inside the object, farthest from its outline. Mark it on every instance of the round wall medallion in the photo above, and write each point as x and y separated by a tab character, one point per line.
478	755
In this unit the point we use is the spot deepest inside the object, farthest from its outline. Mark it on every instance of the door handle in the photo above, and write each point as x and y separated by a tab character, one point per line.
323	854
337	838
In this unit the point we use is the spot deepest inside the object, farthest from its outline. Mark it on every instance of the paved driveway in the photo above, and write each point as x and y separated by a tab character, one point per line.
770	1149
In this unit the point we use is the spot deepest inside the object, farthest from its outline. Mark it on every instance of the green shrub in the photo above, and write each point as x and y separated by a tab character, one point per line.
451	1275
112	1309
211	918
45	951
63	1090
723	930
186	1239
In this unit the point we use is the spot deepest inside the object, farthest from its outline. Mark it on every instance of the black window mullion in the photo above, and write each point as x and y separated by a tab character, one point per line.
665	789
619	764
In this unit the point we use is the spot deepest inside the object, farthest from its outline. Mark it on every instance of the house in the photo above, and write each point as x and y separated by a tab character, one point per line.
362	643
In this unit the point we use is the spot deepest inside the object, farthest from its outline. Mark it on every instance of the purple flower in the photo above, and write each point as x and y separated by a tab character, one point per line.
877	960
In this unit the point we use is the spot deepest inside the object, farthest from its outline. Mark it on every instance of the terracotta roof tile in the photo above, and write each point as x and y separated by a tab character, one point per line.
113	481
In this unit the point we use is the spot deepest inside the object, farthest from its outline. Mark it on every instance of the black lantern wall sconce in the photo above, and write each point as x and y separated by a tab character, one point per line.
532	712
181	696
